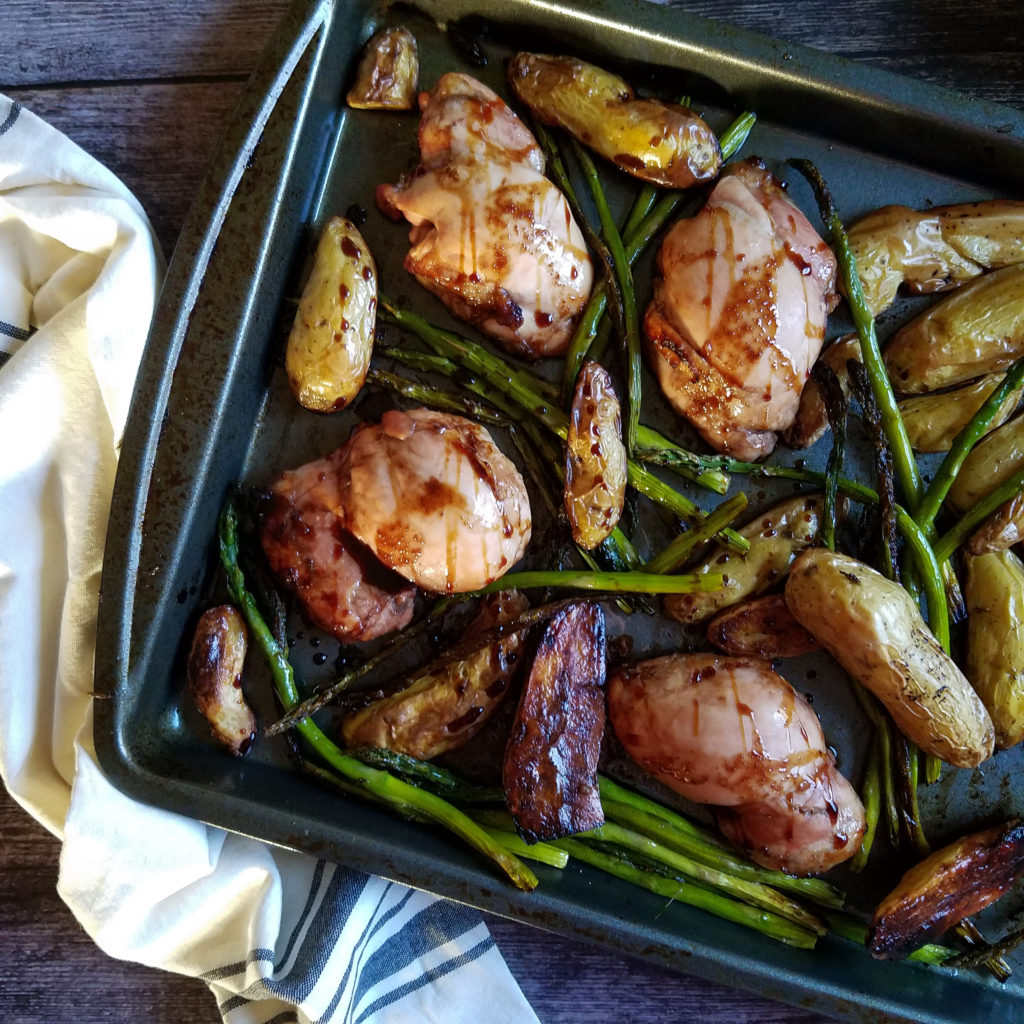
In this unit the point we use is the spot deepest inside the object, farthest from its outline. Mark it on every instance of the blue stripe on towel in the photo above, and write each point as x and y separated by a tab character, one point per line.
427	978
12	116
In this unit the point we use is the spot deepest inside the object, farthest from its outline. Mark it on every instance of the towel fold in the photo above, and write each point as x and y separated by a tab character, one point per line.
278	936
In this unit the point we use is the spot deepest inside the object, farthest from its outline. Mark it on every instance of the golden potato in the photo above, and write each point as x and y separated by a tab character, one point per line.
873	628
388	72
992	460
214	672
444	707
977	329
662	143
595	458
933	421
995	640
776	537
331	341
933	250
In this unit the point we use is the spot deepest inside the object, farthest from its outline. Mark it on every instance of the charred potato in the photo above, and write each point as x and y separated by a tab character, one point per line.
991	461
388	72
214	672
947	886
331	341
550	767
873	628
661	143
933	421
932	250
444	708
761	628
995	640
978	329
776	538
595	458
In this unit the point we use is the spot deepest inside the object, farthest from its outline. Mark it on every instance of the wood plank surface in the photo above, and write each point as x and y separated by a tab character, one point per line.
148	87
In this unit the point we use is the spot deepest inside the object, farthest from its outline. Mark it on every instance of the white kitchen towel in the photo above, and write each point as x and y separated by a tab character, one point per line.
278	936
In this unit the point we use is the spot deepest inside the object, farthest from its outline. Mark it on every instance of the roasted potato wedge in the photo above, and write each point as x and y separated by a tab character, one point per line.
388	72
992	460
995	640
214	672
760	628
595	458
550	767
1001	530
331	340
933	421
442	709
978	329
811	420
873	628
661	143
776	537
932	250
947	886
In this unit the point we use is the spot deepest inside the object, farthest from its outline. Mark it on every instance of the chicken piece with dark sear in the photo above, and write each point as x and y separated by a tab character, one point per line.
339	584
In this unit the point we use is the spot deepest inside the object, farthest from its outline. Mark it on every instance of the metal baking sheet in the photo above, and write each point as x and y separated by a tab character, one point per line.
213	409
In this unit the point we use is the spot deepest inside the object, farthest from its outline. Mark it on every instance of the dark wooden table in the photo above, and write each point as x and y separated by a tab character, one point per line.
148	86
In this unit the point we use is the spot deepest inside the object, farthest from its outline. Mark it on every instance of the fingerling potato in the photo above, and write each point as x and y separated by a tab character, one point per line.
995	640
977	329
595	458
873	628
933	250
331	340
992	460
776	537
388	71
661	143
933	421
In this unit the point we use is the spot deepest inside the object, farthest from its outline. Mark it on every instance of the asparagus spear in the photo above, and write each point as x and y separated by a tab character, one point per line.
620	865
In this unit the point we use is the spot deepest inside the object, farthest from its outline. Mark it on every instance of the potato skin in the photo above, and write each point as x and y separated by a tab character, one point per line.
994	592
657	142
933	421
992	460
978	329
331	340
214	672
388	71
933	250
444	708
595	458
776	537
872	627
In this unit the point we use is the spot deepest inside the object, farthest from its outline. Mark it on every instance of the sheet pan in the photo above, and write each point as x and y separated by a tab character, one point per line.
212	409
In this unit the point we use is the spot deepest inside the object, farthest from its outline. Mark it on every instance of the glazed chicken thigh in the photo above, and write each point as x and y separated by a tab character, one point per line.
491	236
739	311
733	733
